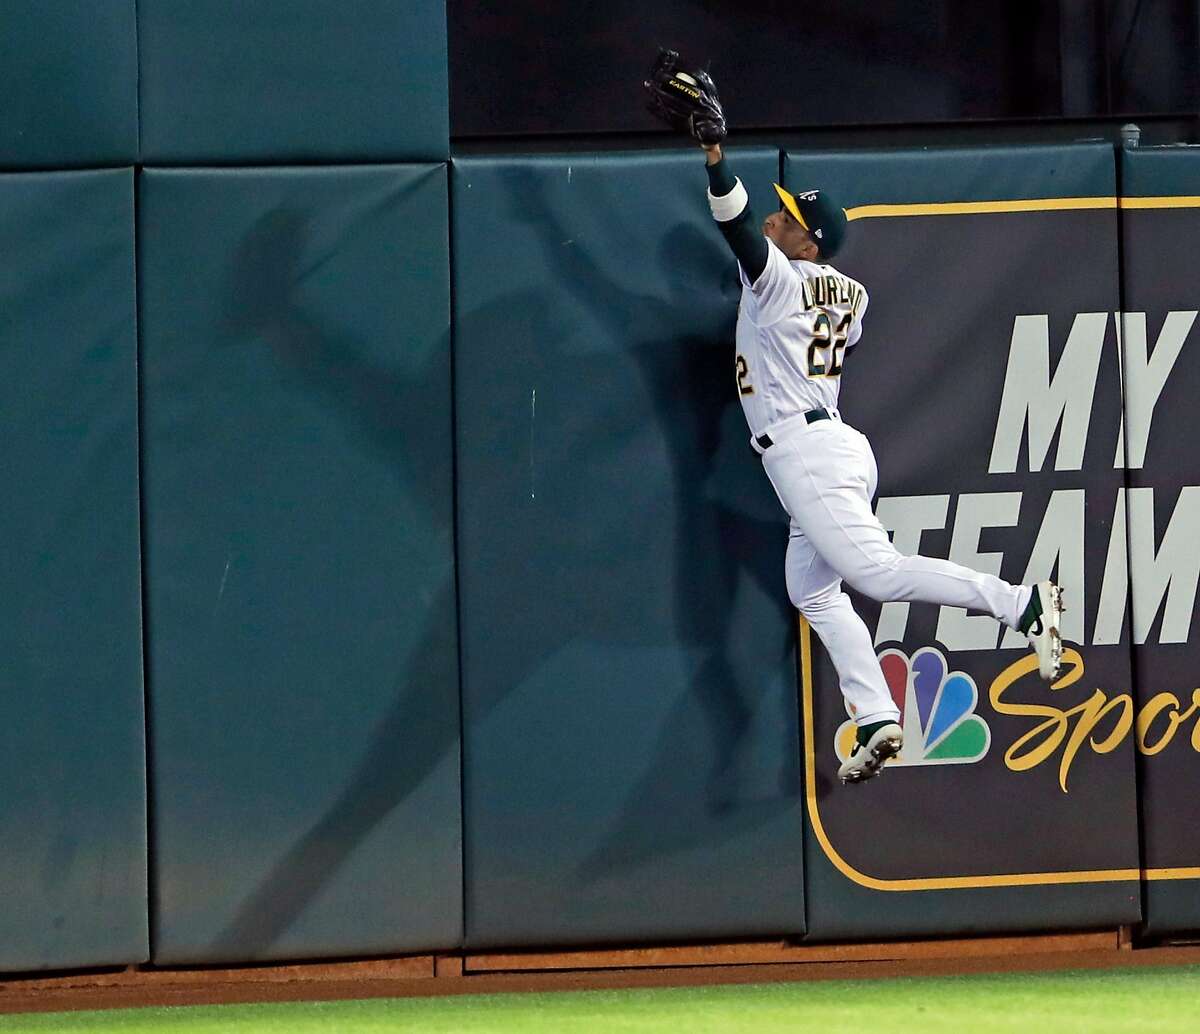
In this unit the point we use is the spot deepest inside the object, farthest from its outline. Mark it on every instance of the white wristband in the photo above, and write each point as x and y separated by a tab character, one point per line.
729	206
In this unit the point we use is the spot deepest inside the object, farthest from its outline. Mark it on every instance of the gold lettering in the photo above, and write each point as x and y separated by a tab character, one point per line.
684	89
1070	728
1154	707
1054	728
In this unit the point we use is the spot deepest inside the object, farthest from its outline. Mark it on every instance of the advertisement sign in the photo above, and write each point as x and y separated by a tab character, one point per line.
988	381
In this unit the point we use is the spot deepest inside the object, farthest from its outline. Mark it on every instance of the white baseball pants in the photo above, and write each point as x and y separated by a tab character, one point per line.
825	476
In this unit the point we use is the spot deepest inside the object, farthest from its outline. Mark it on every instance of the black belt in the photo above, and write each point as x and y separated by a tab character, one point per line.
811	417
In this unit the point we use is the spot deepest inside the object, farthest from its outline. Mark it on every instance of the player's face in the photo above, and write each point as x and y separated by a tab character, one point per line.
789	236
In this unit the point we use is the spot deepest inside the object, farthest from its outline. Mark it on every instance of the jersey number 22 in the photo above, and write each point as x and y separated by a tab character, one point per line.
828	345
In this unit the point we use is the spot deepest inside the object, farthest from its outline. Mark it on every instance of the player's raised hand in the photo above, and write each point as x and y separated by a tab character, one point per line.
685	100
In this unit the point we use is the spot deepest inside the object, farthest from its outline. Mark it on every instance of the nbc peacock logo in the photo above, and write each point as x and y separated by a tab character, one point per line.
937	711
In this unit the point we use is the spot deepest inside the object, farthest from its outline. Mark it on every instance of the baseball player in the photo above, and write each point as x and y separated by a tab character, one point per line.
798	321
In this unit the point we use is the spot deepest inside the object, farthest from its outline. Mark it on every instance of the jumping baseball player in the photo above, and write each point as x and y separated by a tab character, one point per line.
798	321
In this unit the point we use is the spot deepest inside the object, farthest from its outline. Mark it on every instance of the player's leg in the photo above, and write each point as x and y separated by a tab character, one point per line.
826	480
816	591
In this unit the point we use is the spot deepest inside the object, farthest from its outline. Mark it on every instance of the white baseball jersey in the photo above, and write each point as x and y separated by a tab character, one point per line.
795	324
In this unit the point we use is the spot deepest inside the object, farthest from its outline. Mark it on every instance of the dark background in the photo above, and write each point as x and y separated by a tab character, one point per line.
531	68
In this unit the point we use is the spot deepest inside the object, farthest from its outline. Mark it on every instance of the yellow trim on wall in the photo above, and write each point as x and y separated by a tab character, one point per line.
1049	204
1182	873
1182	201
1046	204
1019	879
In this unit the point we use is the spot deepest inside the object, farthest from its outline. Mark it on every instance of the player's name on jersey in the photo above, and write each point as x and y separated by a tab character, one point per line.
832	289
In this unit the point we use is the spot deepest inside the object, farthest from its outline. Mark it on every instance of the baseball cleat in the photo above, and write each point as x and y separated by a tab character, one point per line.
875	744
1042	624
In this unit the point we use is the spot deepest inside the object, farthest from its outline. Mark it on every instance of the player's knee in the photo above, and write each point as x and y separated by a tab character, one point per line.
812	604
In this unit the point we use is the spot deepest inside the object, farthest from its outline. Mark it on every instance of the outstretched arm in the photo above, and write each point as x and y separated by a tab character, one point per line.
687	101
731	209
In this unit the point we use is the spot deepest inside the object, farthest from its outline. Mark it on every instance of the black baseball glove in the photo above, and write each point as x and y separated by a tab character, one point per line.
685	100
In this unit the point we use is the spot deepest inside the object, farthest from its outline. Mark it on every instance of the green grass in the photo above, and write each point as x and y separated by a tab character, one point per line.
1158	1000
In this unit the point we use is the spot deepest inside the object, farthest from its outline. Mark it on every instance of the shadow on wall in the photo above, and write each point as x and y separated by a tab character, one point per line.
265	304
688	382
717	542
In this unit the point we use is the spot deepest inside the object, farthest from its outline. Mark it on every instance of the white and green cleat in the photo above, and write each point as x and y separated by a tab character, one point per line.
1042	624
875	744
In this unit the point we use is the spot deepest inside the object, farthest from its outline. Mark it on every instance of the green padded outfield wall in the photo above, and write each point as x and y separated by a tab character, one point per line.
72	758
278	81
628	656
299	562
69	83
988	381
1160	220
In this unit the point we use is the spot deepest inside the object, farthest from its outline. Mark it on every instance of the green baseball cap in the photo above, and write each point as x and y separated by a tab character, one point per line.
820	215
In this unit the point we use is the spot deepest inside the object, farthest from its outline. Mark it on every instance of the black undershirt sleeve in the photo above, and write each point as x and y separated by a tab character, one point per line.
742	232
